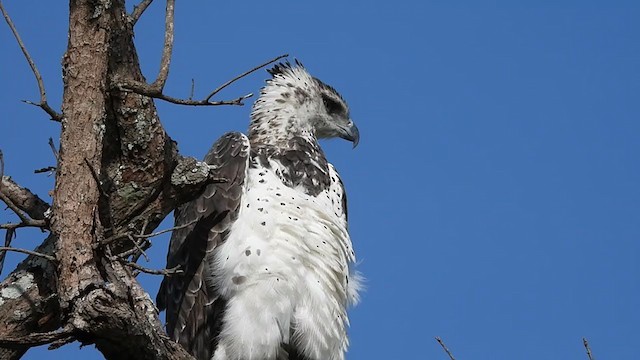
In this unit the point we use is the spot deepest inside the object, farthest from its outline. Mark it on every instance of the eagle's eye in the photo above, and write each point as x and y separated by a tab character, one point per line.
332	106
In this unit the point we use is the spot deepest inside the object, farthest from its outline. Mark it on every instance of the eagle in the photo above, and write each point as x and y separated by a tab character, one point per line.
268	267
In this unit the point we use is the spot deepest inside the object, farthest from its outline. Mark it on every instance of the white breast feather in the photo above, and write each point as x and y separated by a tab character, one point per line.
285	265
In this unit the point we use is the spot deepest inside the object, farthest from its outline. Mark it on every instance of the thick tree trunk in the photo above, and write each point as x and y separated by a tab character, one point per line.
118	174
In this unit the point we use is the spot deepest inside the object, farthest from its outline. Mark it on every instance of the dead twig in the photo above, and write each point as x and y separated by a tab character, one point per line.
141	236
444	347
586	346
138	10
166	272
139	249
167	49
243	75
40	224
43	95
28	252
150	91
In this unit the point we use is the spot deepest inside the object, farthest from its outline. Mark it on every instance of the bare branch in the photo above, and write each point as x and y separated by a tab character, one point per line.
193	88
55	116
439	340
155	91
43	95
139	10
40	224
28	252
243	75
586	346
37	339
167	48
166	230
167	272
139	249
150	91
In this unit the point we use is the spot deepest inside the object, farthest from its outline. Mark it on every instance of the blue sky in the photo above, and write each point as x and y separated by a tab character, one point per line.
494	197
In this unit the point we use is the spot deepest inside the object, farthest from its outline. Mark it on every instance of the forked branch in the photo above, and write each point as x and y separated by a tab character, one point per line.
156	93
43	104
138	10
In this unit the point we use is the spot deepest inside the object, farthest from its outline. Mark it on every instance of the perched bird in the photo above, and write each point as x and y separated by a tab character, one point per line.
268	264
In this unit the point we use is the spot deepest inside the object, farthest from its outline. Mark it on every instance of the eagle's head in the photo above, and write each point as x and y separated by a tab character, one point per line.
295	103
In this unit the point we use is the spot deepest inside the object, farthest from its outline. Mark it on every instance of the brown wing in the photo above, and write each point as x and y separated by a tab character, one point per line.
194	311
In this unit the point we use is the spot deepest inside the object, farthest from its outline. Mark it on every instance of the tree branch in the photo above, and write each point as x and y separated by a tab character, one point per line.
168	47
37	339
138	10
444	347
167	272
150	91
28	252
243	75
23	199
43	96
587	348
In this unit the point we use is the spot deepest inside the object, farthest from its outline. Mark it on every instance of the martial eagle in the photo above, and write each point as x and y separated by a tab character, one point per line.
267	258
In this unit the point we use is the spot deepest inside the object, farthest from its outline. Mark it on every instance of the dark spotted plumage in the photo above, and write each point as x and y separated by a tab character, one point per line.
304	164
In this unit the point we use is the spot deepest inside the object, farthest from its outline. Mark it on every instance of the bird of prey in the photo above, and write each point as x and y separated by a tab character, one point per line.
268	264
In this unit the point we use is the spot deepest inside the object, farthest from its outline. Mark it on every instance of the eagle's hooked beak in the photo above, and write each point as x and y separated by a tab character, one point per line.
351	133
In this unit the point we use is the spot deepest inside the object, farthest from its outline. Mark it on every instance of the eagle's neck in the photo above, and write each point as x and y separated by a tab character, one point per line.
281	135
275	120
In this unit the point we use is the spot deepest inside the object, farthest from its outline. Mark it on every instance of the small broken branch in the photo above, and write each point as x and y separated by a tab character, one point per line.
586	346
54	150
48	169
43	95
444	347
28	252
167	48
138	10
